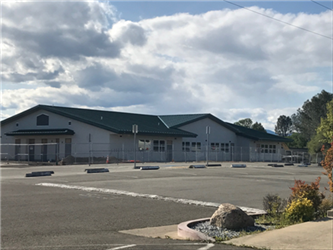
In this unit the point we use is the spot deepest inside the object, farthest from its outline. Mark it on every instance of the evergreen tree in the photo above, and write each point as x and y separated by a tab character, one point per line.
247	122
259	127
283	126
307	119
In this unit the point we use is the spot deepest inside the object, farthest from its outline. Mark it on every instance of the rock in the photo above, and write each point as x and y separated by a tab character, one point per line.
231	217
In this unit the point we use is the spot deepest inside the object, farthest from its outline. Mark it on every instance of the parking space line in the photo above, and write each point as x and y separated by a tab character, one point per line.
150	196
122	247
210	245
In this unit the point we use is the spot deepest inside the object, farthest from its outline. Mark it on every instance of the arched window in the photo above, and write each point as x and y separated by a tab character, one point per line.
42	120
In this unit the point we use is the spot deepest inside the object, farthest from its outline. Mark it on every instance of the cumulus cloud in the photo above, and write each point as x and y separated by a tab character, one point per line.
232	63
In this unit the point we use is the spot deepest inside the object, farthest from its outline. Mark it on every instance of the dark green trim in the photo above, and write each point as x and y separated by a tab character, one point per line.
29	132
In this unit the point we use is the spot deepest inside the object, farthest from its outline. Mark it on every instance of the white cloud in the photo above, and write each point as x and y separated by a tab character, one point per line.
232	63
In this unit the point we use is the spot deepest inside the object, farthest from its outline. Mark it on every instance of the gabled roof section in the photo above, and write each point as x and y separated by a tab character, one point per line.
117	122
257	135
180	120
176	121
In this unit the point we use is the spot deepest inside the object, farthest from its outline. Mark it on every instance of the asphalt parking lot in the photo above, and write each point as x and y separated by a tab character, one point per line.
75	210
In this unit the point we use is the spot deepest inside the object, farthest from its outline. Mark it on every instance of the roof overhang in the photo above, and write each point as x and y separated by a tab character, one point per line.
30	132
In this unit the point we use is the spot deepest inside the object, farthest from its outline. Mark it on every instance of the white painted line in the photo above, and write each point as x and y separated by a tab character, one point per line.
150	196
122	247
206	247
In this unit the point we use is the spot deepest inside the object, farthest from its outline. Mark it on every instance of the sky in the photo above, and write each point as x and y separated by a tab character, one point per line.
233	59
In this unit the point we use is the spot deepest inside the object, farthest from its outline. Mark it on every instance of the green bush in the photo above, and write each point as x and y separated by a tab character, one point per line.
274	204
325	205
300	210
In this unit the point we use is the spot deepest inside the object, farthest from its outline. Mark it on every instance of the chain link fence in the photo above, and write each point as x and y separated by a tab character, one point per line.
98	153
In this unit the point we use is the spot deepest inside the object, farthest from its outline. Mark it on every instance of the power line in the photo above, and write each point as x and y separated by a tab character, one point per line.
322	5
304	29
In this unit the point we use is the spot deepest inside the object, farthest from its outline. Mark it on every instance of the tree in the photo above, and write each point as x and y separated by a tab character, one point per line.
259	127
325	128
327	164
298	141
307	119
283	126
315	145
247	122
324	131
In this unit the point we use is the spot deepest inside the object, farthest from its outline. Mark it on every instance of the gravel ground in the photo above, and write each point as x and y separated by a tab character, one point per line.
223	233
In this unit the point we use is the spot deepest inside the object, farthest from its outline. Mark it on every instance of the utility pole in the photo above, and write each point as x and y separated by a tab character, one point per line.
135	130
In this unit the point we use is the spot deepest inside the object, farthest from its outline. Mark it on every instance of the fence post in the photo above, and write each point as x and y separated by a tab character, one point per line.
303	157
241	153
215	155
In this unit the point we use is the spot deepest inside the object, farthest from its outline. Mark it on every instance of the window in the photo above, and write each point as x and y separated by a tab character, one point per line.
159	145
144	145
186	146
196	146
225	147
191	146
267	149
42	120
69	123
214	146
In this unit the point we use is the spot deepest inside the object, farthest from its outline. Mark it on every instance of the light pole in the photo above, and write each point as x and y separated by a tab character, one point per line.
135	130
207	148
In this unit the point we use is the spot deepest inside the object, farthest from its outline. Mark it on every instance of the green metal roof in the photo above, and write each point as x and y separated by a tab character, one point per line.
64	131
181	120
165	125
257	135
117	122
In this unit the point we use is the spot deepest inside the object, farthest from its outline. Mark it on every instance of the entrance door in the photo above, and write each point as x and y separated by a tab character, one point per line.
68	147
44	150
31	150
169	151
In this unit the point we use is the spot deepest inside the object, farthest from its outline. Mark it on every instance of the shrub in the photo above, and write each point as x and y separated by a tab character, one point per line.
273	204
300	210
326	205
301	190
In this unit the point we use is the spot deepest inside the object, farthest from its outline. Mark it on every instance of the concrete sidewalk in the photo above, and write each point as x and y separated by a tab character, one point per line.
305	236
309	235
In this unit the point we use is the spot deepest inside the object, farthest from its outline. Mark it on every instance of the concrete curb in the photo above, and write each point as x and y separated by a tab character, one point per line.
187	233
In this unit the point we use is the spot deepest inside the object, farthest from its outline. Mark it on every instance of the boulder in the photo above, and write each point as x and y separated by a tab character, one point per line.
231	217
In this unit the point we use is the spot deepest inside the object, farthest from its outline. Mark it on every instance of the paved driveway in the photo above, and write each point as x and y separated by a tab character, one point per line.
35	216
